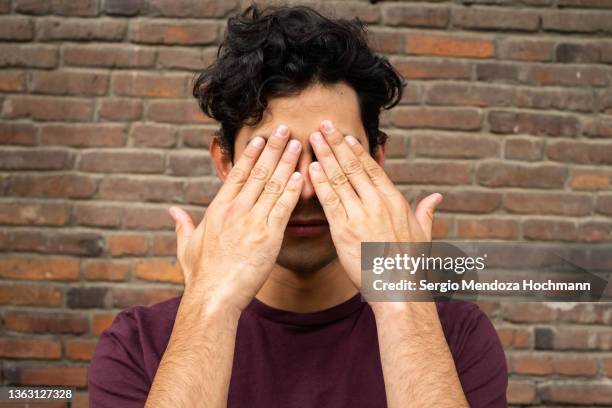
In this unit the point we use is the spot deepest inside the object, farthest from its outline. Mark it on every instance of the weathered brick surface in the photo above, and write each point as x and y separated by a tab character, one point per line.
507	113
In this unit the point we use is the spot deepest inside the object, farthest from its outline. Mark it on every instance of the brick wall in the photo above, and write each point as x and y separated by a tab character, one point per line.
508	113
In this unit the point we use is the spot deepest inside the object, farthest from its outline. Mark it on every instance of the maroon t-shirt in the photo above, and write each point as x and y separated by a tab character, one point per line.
284	359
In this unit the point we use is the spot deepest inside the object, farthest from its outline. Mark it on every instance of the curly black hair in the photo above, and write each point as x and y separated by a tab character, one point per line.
280	51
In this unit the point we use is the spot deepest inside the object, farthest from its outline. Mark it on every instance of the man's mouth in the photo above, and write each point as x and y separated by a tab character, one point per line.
307	227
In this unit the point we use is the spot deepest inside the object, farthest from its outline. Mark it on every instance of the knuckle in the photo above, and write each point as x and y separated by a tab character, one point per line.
338	179
237	175
259	173
375	171
273	186
331	199
353	166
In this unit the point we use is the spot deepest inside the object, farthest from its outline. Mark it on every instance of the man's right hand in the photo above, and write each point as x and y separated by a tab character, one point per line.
228	257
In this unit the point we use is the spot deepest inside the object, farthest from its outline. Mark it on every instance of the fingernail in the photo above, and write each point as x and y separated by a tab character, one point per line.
315	166
328	126
257	141
172	211
350	140
296	175
318	138
294	146
281	131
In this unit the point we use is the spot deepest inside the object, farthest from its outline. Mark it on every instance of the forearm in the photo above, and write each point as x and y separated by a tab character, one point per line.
417	364
197	363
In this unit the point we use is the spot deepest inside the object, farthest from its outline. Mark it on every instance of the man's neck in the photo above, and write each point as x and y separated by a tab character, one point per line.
301	293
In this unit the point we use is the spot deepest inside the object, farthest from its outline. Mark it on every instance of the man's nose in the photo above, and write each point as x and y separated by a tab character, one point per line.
306	157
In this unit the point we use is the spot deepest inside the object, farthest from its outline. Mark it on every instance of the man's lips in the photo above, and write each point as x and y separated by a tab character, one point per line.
308	222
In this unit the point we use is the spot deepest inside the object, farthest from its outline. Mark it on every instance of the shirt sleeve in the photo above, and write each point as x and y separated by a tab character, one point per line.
481	363
116	376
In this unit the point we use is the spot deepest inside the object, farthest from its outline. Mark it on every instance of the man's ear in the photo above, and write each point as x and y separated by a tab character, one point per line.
220	158
381	153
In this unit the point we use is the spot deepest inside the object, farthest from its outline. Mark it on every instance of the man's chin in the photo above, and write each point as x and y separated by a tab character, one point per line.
306	255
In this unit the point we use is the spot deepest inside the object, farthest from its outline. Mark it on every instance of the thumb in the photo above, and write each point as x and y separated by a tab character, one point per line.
183	226
424	212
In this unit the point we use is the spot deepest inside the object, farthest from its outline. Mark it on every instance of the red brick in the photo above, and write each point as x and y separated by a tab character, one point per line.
12	81
53	186
574	52
68	82
148	219
196	136
67	241
118	161
500	174
48	108
94	215
120	109
367	13
36	322
158	270
607	363
128	245
39	159
437	118
580	100
524	49
80	350
83	135
150	85
16	28
48	268
418	68
170	32
26	213
448	45
106	271
19	347
469	201
487	228
604	204
54	376
405	15
493	18
138	189
533	123
191	8
123	7
163	245
28	55
179	111
549	230
190	164
585	3
102	29
590	179
579	152
587	312
464	94
202	192
186	58
599	127
574	366
582	393
100	55
566	75
385	41
548	203
128	297
430	172
521	392
31	295
85	8
528	312
577	21
521	148
150	135
498	72
531	364
17	134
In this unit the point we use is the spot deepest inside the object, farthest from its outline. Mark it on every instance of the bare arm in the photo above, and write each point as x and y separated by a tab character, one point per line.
417	363
225	260
362	204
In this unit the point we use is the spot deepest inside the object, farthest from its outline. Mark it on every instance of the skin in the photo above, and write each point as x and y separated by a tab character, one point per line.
239	251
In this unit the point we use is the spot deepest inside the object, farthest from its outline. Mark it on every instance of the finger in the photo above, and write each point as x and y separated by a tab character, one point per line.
329	199
349	163
275	186
424	213
241	170
184	228
283	207
334	175
263	168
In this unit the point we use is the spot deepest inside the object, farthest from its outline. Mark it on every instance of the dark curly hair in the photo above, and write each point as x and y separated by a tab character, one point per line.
280	51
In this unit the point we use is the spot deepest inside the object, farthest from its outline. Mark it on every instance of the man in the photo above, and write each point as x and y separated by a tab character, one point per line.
271	314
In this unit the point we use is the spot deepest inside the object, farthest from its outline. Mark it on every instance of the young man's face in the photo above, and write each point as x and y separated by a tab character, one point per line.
308	249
